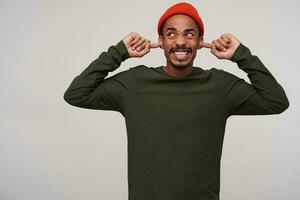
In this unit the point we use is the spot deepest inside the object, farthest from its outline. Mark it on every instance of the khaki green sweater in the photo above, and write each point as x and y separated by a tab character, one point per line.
175	126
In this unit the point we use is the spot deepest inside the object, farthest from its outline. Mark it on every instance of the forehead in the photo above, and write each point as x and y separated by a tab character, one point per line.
180	22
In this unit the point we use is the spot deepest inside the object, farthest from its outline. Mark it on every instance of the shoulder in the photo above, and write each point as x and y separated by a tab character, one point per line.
214	72
127	74
220	73
130	70
221	76
138	68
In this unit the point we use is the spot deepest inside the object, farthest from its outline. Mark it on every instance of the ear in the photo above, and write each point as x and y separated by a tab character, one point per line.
160	42
200	44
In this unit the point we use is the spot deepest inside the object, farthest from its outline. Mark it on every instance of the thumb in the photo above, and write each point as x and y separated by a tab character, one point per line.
154	45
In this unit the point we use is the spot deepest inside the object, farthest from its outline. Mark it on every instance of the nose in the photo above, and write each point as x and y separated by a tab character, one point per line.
180	40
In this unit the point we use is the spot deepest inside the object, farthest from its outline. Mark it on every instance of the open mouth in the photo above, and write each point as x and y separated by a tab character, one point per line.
181	54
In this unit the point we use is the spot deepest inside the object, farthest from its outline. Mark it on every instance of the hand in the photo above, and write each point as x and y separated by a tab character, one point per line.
223	47
138	46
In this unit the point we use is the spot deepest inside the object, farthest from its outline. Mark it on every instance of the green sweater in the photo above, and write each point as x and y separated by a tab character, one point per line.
175	125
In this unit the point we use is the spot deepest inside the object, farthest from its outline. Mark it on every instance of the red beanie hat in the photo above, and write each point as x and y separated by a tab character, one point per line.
185	9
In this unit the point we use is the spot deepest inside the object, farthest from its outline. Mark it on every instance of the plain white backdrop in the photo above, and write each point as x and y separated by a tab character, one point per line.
51	150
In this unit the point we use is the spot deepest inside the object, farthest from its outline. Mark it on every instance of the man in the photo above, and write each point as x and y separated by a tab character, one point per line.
176	114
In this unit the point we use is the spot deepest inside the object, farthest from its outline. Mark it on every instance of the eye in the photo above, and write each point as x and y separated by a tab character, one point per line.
170	34
190	35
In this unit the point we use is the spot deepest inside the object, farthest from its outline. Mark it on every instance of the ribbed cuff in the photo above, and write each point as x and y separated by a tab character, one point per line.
123	50
241	55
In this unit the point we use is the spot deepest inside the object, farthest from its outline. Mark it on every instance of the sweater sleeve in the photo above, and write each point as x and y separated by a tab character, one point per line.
263	96
92	90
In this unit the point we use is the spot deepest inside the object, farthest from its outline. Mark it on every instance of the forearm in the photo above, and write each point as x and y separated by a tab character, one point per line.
272	97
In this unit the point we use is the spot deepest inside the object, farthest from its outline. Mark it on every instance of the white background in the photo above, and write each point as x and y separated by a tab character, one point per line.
51	150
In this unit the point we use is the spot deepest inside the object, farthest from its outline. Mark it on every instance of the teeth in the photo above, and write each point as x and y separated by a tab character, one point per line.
181	52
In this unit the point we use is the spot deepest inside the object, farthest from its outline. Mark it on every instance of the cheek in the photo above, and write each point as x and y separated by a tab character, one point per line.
195	47
167	43
167	54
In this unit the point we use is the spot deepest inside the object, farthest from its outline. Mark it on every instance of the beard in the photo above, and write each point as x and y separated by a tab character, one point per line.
180	66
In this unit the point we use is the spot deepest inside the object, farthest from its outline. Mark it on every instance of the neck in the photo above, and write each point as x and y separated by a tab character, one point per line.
172	71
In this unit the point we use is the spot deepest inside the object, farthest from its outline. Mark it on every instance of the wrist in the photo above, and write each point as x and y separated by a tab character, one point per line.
241	55
123	50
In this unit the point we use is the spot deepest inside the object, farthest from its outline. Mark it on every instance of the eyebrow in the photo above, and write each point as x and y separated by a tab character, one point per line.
171	29
189	30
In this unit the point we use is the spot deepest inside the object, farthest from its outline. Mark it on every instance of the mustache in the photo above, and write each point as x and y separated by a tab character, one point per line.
180	49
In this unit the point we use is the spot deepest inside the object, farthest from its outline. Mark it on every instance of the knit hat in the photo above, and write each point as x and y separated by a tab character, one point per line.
185	9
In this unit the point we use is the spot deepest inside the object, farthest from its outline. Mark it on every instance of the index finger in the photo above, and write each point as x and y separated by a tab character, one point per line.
154	45
206	45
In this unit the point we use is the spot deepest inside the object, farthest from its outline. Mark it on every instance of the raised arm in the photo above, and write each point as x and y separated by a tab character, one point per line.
92	90
263	96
